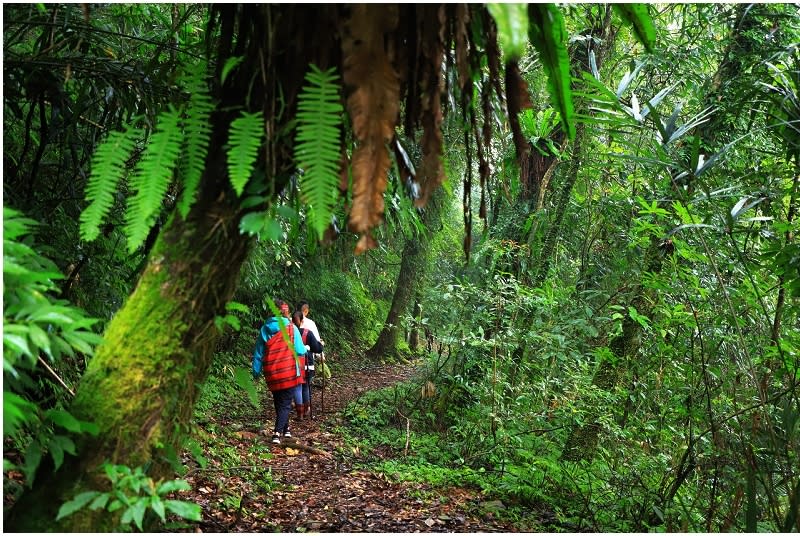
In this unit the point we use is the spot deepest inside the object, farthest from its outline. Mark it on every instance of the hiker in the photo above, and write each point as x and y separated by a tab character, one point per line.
297	395
281	370
309	324
313	346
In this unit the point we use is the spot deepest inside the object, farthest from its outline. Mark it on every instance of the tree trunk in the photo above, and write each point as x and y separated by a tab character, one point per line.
412	270
582	441
413	336
141	385
549	245
606	35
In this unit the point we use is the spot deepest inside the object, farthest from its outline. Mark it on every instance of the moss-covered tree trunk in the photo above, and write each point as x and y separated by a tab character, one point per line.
141	386
412	270
582	441
606	35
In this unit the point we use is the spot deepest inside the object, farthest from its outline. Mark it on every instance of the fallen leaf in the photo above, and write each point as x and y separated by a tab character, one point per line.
430	522
292	452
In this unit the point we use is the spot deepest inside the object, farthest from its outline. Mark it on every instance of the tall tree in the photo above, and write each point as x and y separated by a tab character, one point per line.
415	258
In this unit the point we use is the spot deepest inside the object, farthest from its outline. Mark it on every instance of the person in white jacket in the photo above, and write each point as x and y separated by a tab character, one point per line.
310	325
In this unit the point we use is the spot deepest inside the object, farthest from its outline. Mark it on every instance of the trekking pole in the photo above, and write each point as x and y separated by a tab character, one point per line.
323	383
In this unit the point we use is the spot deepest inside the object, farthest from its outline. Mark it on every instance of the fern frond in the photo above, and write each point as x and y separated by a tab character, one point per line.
244	139
197	133
152	177
108	168
319	119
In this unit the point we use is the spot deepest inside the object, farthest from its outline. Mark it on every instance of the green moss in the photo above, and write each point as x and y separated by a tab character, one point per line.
139	367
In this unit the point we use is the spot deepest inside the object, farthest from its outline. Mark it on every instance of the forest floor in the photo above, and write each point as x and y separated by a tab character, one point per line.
314	484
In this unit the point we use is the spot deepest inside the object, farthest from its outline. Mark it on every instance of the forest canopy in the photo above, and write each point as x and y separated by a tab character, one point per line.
578	221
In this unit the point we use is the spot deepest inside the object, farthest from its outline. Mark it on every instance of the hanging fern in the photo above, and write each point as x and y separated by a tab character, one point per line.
319	119
181	139
152	177
108	168
197	132
244	139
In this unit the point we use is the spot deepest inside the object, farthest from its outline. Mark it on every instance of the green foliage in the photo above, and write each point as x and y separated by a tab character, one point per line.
512	27
638	16
231	319
317	146
548	35
197	129
134	494
38	331
180	140
244	140
108	169
151	178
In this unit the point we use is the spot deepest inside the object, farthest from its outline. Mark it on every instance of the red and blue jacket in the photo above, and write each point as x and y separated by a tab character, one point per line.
281	369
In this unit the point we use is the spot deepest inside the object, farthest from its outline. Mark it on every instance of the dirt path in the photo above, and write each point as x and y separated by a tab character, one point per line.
306	492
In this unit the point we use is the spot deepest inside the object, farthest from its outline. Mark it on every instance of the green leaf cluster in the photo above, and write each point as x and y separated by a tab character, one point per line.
317	146
512	26
38	330
175	152
134	494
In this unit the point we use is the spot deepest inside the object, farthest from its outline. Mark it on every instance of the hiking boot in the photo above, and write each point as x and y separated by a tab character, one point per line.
287	434
276	438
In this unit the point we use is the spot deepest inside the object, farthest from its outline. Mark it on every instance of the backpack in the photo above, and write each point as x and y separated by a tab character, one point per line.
281	369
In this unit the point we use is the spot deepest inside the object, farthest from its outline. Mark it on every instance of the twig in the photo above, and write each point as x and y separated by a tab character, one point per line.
307	448
220	469
408	431
58	379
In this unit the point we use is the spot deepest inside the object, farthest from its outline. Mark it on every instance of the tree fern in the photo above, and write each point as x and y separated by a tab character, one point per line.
152	177
197	132
244	139
319	118
108	168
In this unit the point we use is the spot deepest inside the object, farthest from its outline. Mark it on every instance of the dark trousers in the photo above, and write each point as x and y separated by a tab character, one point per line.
307	387
283	406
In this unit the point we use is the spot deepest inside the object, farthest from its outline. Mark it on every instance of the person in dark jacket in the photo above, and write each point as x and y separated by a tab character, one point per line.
280	364
313	346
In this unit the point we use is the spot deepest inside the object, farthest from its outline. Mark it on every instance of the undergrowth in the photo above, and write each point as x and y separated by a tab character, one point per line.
391	432
377	422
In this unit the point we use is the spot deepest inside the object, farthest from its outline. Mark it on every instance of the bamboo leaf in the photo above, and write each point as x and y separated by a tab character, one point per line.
184	509
638	17
244	379
230	65
549	36
72	506
512	27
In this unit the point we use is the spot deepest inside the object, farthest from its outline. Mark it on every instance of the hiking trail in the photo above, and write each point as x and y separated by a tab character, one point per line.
314	484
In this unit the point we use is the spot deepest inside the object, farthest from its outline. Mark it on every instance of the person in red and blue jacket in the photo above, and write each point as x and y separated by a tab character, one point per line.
279	365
